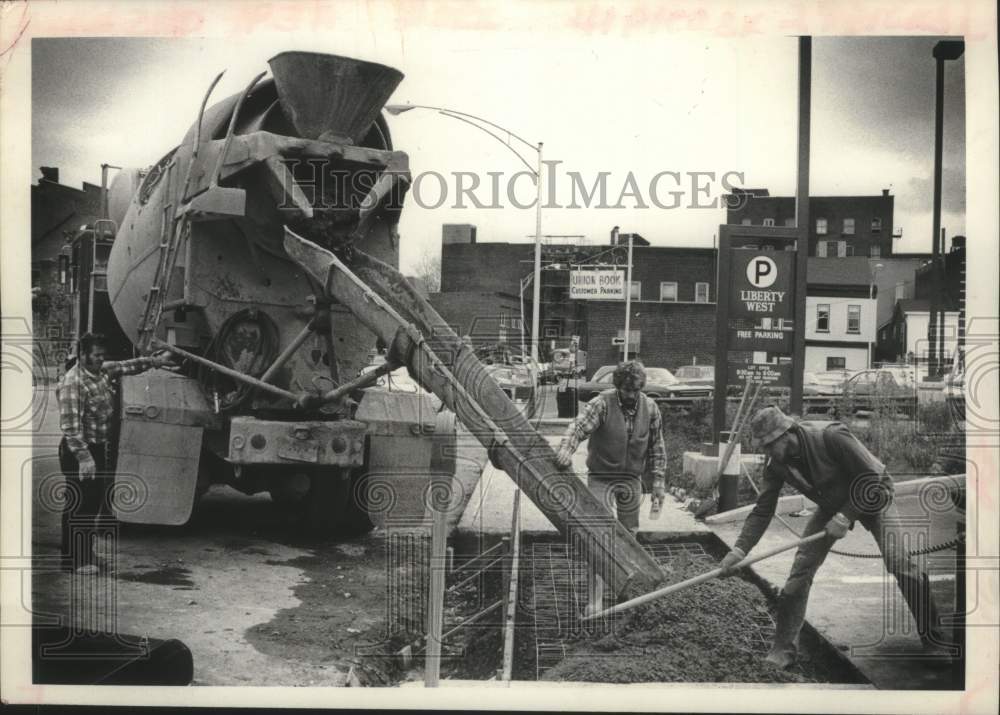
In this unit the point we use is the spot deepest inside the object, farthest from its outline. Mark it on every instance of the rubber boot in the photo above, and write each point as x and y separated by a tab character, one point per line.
788	622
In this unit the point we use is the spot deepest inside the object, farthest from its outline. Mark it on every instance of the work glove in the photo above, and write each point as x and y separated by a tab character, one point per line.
838	526
88	469
730	561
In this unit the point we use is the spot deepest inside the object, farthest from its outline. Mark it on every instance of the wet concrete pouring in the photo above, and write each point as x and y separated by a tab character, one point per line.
715	632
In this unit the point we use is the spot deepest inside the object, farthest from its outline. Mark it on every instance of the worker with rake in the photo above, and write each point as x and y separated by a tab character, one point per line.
828	464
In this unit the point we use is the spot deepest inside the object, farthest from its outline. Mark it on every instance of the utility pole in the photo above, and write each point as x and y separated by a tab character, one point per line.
628	295
802	222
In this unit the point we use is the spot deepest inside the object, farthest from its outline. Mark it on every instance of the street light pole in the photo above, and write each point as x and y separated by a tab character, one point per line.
943	51
536	299
471	119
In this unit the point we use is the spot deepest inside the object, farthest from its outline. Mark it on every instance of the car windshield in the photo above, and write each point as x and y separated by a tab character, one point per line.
660	375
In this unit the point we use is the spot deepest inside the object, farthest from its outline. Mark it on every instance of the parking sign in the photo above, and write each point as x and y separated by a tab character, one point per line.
763	284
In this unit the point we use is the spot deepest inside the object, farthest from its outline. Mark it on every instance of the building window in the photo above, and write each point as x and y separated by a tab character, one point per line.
821	249
701	292
848	226
635	290
823	318
841	249
836	363
900	290
875	251
790	223
552	332
854	319
745	222
769	222
668	292
876	225
848	249
821	226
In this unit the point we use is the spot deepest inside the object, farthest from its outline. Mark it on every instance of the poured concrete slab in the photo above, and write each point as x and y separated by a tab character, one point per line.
488	512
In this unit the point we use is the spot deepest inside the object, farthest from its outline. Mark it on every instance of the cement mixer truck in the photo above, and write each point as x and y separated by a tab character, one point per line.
263	250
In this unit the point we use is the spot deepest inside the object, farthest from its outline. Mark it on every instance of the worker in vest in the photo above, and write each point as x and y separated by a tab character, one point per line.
828	464
624	437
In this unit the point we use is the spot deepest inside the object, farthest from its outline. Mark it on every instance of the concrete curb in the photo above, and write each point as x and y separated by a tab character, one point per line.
797	502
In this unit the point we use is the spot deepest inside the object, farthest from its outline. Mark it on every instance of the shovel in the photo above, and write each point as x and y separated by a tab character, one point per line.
674	588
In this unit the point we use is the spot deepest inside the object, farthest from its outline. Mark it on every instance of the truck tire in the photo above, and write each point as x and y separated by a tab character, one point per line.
354	520
334	506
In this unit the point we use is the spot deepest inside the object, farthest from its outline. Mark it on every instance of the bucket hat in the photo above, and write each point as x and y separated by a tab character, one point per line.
767	425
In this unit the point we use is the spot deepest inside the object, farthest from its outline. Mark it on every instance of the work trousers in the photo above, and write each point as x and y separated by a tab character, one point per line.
888	534
621	496
86	509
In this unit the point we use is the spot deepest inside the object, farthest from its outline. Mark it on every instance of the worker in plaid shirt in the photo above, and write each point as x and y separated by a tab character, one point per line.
624	434
86	409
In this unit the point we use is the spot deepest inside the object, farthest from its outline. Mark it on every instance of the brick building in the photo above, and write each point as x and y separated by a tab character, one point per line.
841	226
673	297
486	317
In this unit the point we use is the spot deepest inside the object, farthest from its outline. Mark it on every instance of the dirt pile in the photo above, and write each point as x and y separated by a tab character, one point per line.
717	631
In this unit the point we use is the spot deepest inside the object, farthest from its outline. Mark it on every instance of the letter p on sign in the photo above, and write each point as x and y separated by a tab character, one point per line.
761	272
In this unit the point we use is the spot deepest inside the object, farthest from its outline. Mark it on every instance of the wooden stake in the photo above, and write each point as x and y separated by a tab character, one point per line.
435	603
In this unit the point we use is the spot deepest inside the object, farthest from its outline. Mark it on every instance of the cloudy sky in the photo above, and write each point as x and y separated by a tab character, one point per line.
631	106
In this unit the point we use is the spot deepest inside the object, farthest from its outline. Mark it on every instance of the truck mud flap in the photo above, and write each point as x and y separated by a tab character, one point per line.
157	472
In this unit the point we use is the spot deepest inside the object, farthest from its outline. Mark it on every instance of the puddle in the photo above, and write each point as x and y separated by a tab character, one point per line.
168	576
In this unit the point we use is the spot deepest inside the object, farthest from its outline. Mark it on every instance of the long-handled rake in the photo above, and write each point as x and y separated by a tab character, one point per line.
708	576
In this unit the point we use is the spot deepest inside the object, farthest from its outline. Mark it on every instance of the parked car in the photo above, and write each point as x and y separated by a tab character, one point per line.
903	374
565	364
814	384
833	378
547	374
701	375
878	389
660	382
